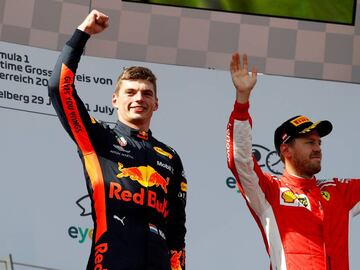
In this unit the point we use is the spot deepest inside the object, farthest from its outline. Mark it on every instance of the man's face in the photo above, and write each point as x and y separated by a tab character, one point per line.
304	153
136	101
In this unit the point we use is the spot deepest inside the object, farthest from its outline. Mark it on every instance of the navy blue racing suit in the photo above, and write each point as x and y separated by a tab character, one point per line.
136	183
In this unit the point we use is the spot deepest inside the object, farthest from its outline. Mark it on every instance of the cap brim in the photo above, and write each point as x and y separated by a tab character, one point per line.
322	127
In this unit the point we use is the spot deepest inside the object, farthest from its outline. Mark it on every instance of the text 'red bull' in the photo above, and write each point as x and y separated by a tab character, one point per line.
99	251
116	192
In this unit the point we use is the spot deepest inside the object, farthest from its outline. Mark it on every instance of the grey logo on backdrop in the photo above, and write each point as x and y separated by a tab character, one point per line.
85	205
267	158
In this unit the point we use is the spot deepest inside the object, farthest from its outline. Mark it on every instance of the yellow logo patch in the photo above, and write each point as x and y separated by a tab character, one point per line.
289	196
163	152
183	186
93	120
308	129
292	199
300	120
326	195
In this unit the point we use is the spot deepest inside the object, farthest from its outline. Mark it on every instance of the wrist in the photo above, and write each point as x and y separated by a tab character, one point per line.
85	29
242	98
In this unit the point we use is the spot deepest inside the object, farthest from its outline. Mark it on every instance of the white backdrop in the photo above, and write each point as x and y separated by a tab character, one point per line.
41	173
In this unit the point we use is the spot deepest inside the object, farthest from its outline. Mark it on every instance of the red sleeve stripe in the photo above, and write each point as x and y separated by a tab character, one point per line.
92	166
82	139
72	112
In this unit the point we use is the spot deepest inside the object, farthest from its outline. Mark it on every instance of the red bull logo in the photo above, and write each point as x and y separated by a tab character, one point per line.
175	259
146	176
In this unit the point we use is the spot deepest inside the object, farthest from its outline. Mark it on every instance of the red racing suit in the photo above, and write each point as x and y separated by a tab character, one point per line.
304	222
136	183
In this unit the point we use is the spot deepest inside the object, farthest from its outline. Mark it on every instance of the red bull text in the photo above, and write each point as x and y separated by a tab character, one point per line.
99	251
117	192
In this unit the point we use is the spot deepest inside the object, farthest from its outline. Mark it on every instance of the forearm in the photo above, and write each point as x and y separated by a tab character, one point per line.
239	140
70	57
251	180
61	83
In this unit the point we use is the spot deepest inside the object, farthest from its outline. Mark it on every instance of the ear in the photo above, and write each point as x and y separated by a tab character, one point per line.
114	99
156	104
285	150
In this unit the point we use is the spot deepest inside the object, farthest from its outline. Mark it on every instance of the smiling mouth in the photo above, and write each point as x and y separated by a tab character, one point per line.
138	108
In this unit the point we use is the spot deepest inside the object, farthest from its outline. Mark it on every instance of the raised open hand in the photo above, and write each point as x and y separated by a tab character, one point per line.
242	80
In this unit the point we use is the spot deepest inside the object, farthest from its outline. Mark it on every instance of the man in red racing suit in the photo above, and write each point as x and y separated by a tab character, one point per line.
304	221
136	183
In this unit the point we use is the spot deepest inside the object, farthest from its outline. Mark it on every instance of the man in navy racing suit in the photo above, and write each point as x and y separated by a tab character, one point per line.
136	183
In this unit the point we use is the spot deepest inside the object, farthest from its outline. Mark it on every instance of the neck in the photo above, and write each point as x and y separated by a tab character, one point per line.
138	125
301	175
293	171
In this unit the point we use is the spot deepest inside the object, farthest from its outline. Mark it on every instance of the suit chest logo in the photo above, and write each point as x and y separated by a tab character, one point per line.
146	176
289	198
163	152
325	195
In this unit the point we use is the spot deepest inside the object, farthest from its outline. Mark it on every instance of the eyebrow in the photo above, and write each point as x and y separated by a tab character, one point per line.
134	89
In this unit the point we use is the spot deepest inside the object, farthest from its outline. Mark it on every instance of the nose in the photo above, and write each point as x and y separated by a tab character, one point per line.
317	147
139	96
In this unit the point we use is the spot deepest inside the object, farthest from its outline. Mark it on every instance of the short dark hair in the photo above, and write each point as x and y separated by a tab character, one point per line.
136	73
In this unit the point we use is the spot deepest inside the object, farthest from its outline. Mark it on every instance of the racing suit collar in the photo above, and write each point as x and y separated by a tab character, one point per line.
132	132
298	181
